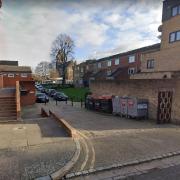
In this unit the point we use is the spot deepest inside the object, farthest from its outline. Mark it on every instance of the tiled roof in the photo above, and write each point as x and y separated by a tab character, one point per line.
120	73
143	49
5	68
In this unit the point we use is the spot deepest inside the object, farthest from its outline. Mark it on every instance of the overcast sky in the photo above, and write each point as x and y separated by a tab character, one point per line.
98	27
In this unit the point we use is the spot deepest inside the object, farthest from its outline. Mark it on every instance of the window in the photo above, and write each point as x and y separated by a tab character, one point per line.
131	71
10	75
178	36
82	70
109	63
117	61
175	11
99	65
109	72
150	64
87	67
24	75
174	36
132	59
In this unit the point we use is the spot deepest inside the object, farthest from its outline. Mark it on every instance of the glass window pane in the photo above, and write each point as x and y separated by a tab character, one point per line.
109	63
178	36
175	11
172	37
116	61
131	59
179	9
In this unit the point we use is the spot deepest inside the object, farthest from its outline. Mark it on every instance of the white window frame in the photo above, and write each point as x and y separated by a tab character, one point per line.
132	59
11	75
131	71
109	63
150	64
24	75
99	65
116	62
175	11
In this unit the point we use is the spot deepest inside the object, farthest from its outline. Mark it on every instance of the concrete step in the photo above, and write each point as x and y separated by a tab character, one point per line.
8	105
6	108
8	114
8	118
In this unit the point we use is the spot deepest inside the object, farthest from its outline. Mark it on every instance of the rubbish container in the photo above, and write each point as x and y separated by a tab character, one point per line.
124	106
138	108
90	102
97	104
116	105
106	104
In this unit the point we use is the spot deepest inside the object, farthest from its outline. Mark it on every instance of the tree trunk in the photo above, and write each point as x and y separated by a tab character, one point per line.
64	75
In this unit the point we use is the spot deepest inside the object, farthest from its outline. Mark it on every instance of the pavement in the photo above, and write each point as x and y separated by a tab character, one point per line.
118	140
34	148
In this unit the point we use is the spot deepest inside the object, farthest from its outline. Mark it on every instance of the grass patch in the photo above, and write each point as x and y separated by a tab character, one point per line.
76	93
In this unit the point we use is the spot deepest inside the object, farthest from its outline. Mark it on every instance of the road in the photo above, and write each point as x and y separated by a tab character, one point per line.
115	139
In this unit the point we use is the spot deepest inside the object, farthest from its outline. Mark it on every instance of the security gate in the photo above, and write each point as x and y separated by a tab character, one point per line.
164	106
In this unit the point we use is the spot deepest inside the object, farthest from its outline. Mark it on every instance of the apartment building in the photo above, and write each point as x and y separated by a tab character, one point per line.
122	65
165	62
158	77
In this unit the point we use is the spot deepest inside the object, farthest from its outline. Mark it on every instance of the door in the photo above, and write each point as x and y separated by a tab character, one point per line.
164	106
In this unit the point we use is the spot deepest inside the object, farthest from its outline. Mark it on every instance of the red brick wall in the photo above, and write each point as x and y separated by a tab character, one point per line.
30	97
11	81
124	62
1	81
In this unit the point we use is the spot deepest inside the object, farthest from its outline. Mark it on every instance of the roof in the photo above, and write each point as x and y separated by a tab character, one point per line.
5	68
120	73
9	62
143	49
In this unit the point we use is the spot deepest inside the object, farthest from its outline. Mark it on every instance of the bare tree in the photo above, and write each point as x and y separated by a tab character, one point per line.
62	52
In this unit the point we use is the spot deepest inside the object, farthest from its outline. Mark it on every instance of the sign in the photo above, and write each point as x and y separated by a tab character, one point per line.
142	106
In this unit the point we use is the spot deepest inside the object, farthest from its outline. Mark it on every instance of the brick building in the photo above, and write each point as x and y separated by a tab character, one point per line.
83	72
158	77
122	65
16	83
165	62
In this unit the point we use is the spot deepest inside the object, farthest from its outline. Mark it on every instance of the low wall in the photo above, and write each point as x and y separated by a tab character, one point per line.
68	128
146	89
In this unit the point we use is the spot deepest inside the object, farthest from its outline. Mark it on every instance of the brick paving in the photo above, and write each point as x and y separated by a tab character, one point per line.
34	148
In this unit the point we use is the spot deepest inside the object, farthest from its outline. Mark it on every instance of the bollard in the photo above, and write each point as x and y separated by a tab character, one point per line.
81	103
72	101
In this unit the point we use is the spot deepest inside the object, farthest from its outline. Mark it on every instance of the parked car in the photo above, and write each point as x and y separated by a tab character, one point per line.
60	96
51	92
42	98
46	91
43	90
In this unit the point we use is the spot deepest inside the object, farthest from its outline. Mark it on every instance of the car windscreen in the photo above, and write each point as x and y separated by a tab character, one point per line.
40	95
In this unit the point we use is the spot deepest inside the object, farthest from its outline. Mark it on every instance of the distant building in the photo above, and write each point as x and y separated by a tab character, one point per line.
69	70
83	73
